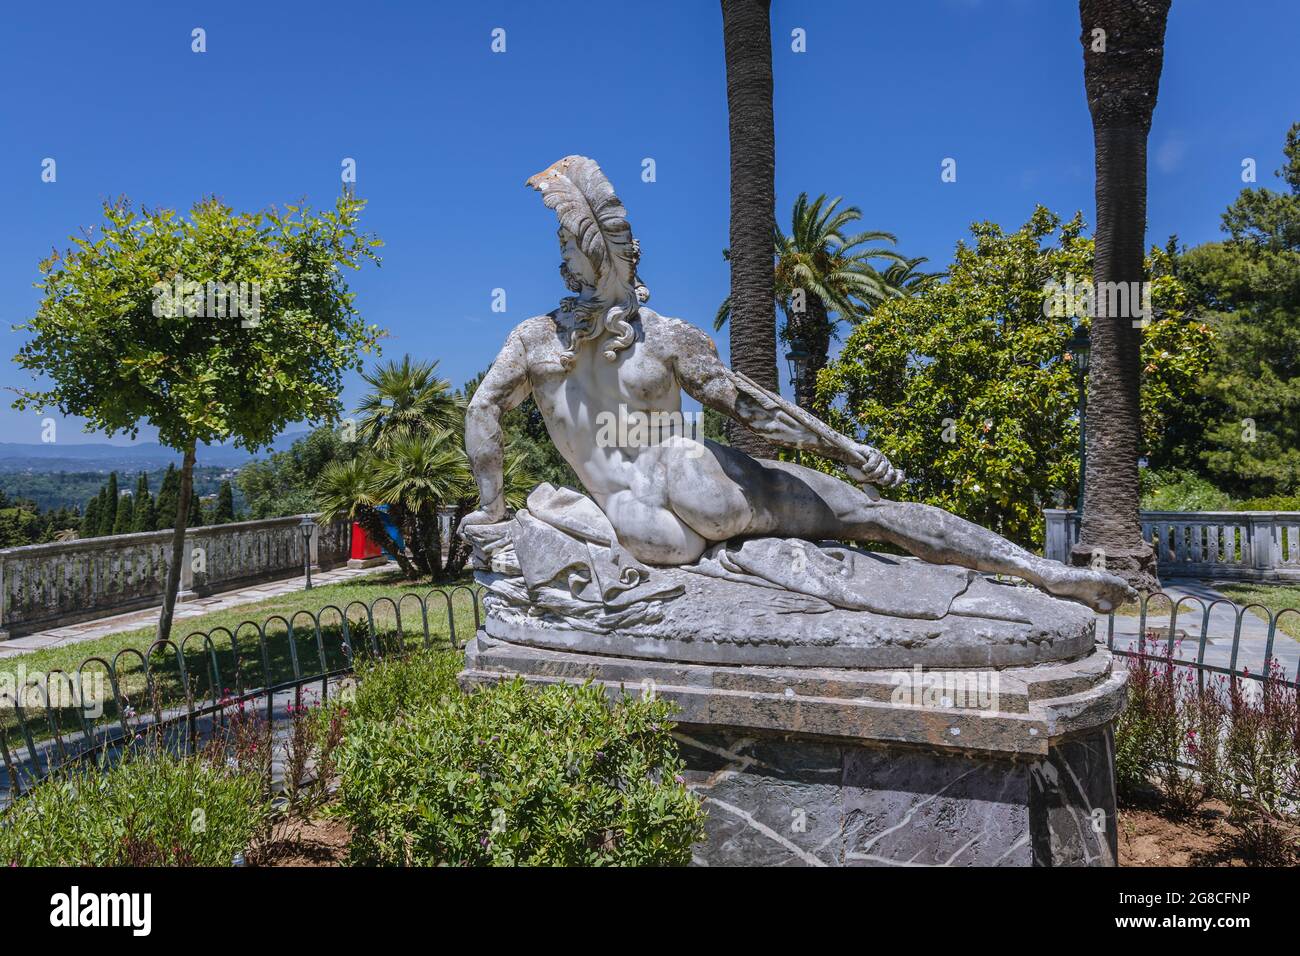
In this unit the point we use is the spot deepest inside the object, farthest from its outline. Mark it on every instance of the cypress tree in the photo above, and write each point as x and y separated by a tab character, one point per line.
145	519
168	496
225	505
125	515
108	508
196	513
90	520
101	506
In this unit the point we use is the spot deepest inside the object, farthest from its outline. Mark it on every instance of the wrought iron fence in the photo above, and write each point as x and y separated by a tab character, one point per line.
1168	634
186	685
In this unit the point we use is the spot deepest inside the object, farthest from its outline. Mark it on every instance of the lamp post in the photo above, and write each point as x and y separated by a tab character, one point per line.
306	526
1078	349
797	358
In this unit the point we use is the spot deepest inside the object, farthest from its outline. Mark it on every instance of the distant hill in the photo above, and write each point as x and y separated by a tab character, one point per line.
104	457
52	489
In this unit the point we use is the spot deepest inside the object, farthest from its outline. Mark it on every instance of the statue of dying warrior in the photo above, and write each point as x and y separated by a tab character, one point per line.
670	497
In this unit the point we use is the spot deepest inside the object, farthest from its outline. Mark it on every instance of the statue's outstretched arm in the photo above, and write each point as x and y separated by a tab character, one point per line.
715	386
503	387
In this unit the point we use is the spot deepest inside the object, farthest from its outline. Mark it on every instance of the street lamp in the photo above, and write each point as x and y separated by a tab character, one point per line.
1079	349
307	526
797	358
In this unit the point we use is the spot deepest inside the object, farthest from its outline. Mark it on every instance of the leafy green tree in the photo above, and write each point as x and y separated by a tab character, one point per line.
1249	290
968	385
108	507
20	524
225	511
285	483
125	515
148	323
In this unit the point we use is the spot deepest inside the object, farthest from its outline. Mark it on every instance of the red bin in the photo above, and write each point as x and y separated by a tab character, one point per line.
363	547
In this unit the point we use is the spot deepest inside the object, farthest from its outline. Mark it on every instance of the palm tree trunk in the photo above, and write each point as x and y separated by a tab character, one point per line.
178	545
1122	77
747	38
373	524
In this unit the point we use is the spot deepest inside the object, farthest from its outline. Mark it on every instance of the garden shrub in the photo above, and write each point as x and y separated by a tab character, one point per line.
1181	490
391	686
1168	723
1262	754
151	809
508	775
1233	738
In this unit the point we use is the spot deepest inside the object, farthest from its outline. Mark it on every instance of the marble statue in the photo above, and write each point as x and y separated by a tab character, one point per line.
675	526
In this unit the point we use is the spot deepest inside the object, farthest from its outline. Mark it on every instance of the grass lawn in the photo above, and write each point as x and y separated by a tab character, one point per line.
241	660
1275	597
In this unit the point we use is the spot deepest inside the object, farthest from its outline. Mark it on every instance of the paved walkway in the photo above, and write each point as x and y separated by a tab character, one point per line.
1218	646
89	630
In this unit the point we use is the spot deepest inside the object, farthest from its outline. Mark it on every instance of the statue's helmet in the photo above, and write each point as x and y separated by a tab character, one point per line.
583	199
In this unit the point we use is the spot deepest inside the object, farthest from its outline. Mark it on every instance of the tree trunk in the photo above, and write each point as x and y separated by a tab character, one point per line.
178	545
1122	77
747	38
458	549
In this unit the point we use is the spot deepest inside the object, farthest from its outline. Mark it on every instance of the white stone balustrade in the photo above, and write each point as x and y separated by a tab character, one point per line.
49	585
1227	545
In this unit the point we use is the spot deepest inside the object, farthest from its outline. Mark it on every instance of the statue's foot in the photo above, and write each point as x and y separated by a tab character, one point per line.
1100	590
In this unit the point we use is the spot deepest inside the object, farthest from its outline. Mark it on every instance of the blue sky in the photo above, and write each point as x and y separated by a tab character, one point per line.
444	132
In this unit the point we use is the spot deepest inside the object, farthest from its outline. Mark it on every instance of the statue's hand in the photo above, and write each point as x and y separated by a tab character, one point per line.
874	469
488	515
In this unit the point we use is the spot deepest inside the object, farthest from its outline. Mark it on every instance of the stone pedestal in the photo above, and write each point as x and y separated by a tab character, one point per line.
832	766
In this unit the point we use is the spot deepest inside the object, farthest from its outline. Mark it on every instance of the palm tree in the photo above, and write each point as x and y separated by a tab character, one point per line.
407	401
1123	52
823	275
345	490
406	398
420	474
747	41
907	279
412	460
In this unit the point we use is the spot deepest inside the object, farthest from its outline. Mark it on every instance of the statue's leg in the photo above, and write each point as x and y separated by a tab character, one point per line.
941	537
723	493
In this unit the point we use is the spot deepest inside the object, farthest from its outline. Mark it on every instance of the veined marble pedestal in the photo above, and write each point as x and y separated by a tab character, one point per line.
1001	765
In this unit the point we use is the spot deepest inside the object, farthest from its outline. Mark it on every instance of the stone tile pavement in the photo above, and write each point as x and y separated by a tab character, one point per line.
1218	648
89	630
